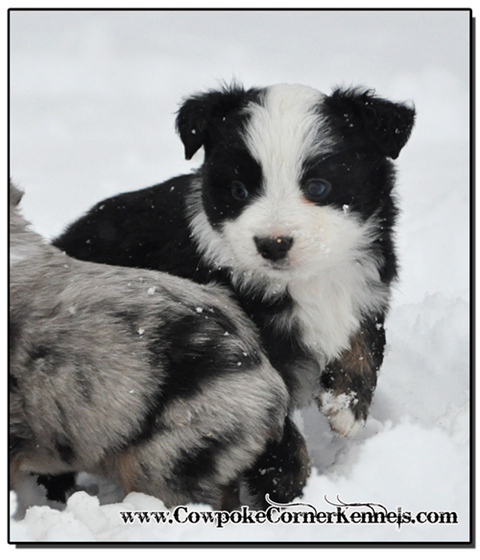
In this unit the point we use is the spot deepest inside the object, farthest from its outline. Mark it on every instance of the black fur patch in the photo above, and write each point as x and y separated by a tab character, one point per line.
201	462
65	450
43	358
282	471
39	352
196	349
282	345
58	487
139	228
208	119
191	350
365	121
229	164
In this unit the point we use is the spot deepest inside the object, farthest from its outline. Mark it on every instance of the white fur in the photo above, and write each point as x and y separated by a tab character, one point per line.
329	271
340	415
284	130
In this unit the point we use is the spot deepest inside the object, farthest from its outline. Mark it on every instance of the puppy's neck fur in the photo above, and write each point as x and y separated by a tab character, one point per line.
328	303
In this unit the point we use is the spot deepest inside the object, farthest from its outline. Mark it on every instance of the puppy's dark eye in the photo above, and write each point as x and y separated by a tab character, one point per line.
318	188
239	191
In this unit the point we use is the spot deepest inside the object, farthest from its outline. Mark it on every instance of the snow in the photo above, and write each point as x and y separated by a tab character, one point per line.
93	97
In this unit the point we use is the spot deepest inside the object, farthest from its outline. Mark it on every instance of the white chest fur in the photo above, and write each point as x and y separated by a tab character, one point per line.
329	306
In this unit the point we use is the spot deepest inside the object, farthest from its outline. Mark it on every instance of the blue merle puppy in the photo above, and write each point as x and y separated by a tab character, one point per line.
136	374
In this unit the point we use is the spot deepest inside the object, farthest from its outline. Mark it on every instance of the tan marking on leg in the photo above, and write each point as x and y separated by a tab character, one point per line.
357	358
127	467
14	468
353	378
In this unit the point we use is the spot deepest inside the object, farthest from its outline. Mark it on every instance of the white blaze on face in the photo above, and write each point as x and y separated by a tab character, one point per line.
328	270
284	131
282	134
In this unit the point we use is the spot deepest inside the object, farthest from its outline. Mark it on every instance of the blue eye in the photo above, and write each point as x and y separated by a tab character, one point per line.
318	188
239	191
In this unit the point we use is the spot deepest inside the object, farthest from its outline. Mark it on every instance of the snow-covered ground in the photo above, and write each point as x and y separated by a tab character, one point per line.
93	97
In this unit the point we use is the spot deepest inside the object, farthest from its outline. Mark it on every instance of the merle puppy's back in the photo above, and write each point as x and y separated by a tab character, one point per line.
131	372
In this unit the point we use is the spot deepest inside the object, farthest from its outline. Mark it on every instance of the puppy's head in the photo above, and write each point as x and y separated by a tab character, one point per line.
294	181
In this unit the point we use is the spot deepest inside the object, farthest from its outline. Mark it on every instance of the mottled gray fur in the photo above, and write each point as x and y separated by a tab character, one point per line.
133	373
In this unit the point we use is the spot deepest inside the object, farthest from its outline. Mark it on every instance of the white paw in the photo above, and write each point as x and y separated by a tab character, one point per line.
343	422
340	416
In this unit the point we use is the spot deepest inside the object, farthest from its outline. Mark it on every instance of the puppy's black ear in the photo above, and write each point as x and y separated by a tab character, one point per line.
363	119
192	121
202	116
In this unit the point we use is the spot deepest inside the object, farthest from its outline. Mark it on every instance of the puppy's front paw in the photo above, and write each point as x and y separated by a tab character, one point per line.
340	411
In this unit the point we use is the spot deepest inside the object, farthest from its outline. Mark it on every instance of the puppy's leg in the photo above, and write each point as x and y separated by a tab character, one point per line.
230	496
349	382
282	471
189	474
58	487
175	475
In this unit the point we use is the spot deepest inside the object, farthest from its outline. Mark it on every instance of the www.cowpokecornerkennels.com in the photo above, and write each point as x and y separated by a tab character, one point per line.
288	514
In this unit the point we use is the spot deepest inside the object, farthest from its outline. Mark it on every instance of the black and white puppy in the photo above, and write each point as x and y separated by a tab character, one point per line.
293	210
133	373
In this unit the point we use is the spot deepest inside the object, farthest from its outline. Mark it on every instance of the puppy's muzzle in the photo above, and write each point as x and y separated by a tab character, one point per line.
273	248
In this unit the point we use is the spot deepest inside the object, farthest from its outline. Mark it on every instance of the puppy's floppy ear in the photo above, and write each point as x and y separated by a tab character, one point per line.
192	121
201	116
364	119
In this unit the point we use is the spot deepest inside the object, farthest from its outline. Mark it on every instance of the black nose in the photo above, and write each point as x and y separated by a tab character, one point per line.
273	248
